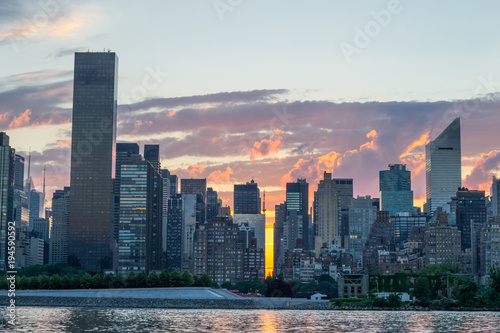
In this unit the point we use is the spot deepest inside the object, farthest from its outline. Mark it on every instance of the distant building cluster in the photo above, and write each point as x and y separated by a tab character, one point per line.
124	213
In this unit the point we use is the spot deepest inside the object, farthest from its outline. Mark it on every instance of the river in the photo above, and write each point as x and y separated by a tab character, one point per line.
43	319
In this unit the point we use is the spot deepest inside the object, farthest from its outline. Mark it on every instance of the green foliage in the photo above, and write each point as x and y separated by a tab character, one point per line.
206	280
107	281
49	270
227	285
131	280
187	279
176	278
66	282
21	282
361	302
394	300
55	282
86	281
465	290
440	269
278	288
380	302
97	282
43	282
164	279
33	283
422	290
76	281
141	280
153	280
197	281
119	281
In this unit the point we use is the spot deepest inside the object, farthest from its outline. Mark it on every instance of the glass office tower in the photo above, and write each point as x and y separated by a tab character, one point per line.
92	159
7	157
395	189
443	167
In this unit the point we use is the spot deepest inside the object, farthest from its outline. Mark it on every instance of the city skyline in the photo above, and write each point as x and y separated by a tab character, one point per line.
231	129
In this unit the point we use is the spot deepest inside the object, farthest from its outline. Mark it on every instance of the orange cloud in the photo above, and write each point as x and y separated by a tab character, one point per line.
330	160
192	170
484	169
370	145
267	147
22	120
171	113
422	141
3	117
63	142
139	124
220	176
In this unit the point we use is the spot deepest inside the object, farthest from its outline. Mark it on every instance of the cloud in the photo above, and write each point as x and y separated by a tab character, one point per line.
68	52
22	120
193	170
217	176
371	144
484	169
267	147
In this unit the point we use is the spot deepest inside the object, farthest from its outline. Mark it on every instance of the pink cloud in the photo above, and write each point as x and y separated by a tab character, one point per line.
22	120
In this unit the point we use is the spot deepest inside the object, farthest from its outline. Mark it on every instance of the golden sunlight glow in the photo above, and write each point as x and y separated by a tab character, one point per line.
269	251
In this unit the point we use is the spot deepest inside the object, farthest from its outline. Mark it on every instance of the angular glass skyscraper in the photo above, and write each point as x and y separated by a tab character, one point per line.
7	157
92	159
443	169
297	199
396	195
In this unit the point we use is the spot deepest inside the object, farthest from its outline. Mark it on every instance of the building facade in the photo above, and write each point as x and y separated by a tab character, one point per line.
7	158
395	189
247	198
59	230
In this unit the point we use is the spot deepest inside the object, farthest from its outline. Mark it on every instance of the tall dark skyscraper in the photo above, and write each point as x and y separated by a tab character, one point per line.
344	189
395	189
212	204
7	157
495	196
174	187
443	169
279	221
19	172
92	159
152	155
297	199
198	187
174	233
247	198
471	209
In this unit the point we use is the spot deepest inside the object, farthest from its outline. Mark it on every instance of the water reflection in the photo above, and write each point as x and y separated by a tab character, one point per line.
34	319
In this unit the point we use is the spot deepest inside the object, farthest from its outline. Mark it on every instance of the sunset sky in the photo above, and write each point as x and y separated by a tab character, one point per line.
235	90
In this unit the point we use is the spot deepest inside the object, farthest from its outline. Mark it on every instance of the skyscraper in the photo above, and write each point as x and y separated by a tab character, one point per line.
174	187
139	240
19	172
362	214
247	198
198	187
174	233
495	196
165	175
344	189
297	199
212	204
58	246
7	157
278	254
443	167
395	189
327	213
92	159
471	209
152	155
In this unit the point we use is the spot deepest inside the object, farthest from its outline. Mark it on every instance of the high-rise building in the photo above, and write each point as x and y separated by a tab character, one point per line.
174	233
471	208
139	240
198	187
362	214
278	252
7	157
247	198
442	243
344	189
495	196
165	175
174	185
58	246
257	222
327	213
297	199
443	169
152	155
404	223
36	204
212	204
490	246
92	159
190	213
19	172
395	189
21	209
381	238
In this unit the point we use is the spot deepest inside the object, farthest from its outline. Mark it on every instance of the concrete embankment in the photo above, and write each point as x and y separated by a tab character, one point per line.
169	298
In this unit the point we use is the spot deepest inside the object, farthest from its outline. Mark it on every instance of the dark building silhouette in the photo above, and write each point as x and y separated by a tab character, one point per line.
174	233
381	238
7	158
58	246
152	155
198	187
395	189
212	204
470	208
344	189
92	159
174	187
247	198
19	172
297	199
279	222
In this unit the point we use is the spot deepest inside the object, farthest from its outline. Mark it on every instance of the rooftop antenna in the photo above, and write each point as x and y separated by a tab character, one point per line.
264	203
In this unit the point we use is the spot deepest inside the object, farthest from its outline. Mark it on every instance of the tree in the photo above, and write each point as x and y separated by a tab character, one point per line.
44	282
66	282
107	281
176	278
206	280
278	288
465	290
438	269
86	281
227	285
187	279
131	281
76	282
55	282
141	280
164	279
153	281
33	283
394	300
197	282
118	281
97	282
422	290
22	282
